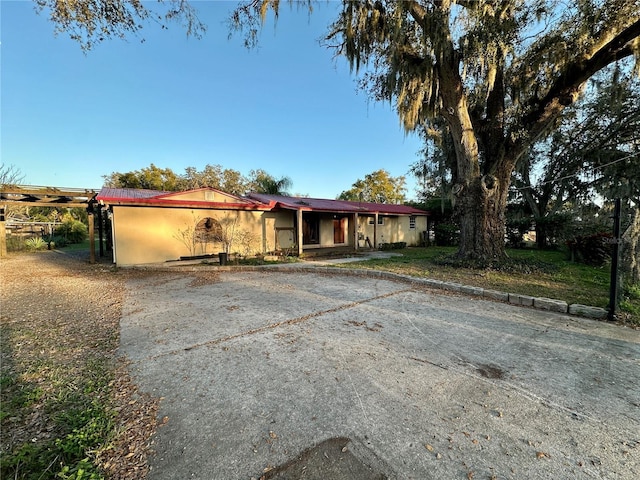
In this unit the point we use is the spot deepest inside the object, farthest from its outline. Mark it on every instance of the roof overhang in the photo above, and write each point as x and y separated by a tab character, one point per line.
154	202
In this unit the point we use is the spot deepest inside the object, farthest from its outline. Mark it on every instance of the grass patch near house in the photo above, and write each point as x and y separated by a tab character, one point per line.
82	246
527	272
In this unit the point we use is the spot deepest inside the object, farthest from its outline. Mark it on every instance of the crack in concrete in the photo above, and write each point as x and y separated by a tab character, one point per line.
271	326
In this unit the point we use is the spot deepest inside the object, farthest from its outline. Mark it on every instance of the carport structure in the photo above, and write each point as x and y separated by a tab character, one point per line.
46	196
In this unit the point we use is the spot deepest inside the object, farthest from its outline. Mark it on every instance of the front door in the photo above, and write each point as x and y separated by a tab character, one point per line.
338	230
311	229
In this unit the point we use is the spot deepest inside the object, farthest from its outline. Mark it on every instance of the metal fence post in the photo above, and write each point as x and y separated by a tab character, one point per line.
613	285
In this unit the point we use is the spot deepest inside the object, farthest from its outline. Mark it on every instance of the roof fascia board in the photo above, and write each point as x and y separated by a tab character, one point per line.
153	202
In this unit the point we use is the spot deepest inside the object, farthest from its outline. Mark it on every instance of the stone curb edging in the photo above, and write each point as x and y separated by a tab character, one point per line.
540	303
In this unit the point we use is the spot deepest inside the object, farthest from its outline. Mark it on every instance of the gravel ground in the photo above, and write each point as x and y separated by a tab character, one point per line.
58	310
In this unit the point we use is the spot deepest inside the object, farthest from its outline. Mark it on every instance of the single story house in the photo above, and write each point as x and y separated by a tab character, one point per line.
149	226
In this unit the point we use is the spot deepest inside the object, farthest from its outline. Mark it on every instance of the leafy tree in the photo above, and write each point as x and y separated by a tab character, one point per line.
232	181
499	73
151	178
90	22
435	170
262	182
215	176
376	187
594	150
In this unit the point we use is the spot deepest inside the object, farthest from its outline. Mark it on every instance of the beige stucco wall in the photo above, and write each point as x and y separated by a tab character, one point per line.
145	235
279	233
393	229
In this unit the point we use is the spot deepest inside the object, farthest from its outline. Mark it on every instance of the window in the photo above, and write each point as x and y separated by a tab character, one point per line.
372	220
412	221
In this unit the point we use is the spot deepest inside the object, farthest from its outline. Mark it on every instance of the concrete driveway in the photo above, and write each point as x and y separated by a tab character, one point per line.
385	379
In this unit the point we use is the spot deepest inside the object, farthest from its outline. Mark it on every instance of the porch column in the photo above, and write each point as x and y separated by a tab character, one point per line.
92	239
299	232
375	231
356	242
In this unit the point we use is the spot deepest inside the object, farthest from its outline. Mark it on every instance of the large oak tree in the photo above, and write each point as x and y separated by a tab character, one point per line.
498	72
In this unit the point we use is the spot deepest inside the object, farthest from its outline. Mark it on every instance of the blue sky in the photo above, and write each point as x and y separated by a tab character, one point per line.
287	107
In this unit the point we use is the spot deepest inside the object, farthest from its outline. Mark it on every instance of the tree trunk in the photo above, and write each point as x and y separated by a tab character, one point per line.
631	251
480	207
541	234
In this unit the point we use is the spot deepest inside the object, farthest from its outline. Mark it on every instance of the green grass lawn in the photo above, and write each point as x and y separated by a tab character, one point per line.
84	245
530	272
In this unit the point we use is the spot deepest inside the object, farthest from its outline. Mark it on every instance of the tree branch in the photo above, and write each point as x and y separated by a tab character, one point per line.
568	85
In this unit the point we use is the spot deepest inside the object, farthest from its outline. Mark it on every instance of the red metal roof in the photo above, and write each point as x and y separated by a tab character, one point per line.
341	206
258	201
127	193
135	196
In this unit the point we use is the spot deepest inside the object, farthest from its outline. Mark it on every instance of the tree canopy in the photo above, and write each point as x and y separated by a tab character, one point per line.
376	187
262	182
498	73
90	22
593	151
214	176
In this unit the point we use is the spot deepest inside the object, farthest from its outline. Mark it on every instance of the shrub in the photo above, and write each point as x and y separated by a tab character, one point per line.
35	243
73	231
446	234
516	228
15	244
594	250
58	242
393	246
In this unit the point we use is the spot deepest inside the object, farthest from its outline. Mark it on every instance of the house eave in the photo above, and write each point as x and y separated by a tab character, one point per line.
154	202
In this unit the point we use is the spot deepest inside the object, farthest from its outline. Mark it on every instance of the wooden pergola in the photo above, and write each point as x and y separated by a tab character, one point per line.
39	196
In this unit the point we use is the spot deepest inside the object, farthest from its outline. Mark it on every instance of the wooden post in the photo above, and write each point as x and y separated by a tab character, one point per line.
375	231
355	231
3	233
300	239
100	232
92	239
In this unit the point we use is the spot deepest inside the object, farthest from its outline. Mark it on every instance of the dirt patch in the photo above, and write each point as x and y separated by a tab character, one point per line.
331	459
490	371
